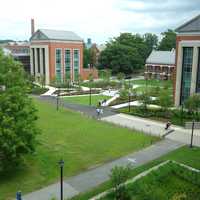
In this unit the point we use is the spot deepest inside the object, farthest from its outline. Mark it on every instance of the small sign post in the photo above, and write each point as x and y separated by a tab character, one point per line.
192	125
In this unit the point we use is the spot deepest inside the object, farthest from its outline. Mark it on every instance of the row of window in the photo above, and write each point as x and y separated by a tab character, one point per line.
187	73
67	64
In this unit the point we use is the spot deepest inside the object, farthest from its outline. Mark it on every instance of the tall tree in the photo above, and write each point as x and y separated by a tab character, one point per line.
86	57
125	53
151	41
168	41
17	113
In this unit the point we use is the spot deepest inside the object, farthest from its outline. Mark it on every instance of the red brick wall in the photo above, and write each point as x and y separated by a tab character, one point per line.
86	72
53	46
179	39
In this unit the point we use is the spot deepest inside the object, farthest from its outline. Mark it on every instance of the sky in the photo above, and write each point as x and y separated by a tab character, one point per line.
99	20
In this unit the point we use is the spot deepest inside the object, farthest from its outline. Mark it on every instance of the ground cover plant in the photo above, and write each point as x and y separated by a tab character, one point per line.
169	181
185	155
82	142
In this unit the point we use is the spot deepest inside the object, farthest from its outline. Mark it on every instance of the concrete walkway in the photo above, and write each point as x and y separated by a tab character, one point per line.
147	126
92	178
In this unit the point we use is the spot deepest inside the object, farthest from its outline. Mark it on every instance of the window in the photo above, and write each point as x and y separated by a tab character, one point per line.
58	64
186	73
67	64
76	64
198	74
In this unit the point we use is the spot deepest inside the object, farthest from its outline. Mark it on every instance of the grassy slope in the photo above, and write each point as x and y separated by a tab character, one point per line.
185	155
82	142
85	99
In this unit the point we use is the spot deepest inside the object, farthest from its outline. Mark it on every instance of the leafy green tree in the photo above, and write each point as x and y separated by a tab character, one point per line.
120	77
193	103
17	114
126	53
165	100
168	41
151	41
86	57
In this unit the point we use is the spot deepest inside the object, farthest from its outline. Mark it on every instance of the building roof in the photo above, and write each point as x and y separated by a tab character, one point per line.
161	57
47	34
192	25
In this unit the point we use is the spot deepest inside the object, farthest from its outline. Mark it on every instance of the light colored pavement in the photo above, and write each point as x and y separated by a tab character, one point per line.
92	178
147	126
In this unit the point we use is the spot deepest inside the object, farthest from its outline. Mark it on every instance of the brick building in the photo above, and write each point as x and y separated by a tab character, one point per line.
57	56
187	76
160	65
20	52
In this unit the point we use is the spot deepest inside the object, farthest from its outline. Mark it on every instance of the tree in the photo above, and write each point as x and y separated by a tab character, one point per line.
120	77
165	100
118	177
126	53
193	103
17	114
86	57
151	41
168	41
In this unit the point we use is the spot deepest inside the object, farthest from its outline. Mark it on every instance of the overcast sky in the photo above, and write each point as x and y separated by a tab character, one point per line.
97	19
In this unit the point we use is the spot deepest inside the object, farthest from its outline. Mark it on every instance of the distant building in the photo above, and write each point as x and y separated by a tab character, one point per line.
21	52
56	55
187	76
160	65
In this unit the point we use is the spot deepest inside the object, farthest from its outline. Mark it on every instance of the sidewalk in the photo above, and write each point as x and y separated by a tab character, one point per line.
156	128
94	177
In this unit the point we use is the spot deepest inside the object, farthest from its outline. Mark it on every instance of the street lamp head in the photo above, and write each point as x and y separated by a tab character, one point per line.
3	88
61	163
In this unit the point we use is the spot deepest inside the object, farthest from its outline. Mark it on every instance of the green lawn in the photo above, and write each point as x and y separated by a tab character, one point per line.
82	142
184	155
84	100
153	82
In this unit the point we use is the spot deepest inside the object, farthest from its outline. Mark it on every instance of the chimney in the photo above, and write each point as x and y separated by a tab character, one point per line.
32	27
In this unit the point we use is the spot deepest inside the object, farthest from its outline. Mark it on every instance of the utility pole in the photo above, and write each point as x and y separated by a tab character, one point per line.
192	135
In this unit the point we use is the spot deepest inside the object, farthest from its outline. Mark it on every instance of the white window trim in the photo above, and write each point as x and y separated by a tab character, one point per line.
61	63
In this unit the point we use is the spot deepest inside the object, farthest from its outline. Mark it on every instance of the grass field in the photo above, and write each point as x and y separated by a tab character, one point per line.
82	142
84	100
153	82
186	155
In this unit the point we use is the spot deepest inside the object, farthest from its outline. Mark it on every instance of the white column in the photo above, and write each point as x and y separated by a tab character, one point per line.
31	61
41	62
178	75
36	62
194	70
47	75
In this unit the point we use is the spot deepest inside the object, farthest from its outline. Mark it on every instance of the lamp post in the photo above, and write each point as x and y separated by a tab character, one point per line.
129	95
57	99
2	88
61	163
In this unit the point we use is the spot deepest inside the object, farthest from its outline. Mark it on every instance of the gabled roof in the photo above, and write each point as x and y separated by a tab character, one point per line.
191	26
161	57
47	34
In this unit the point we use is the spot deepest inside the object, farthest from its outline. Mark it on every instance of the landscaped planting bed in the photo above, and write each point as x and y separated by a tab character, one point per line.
170	181
186	155
176	117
